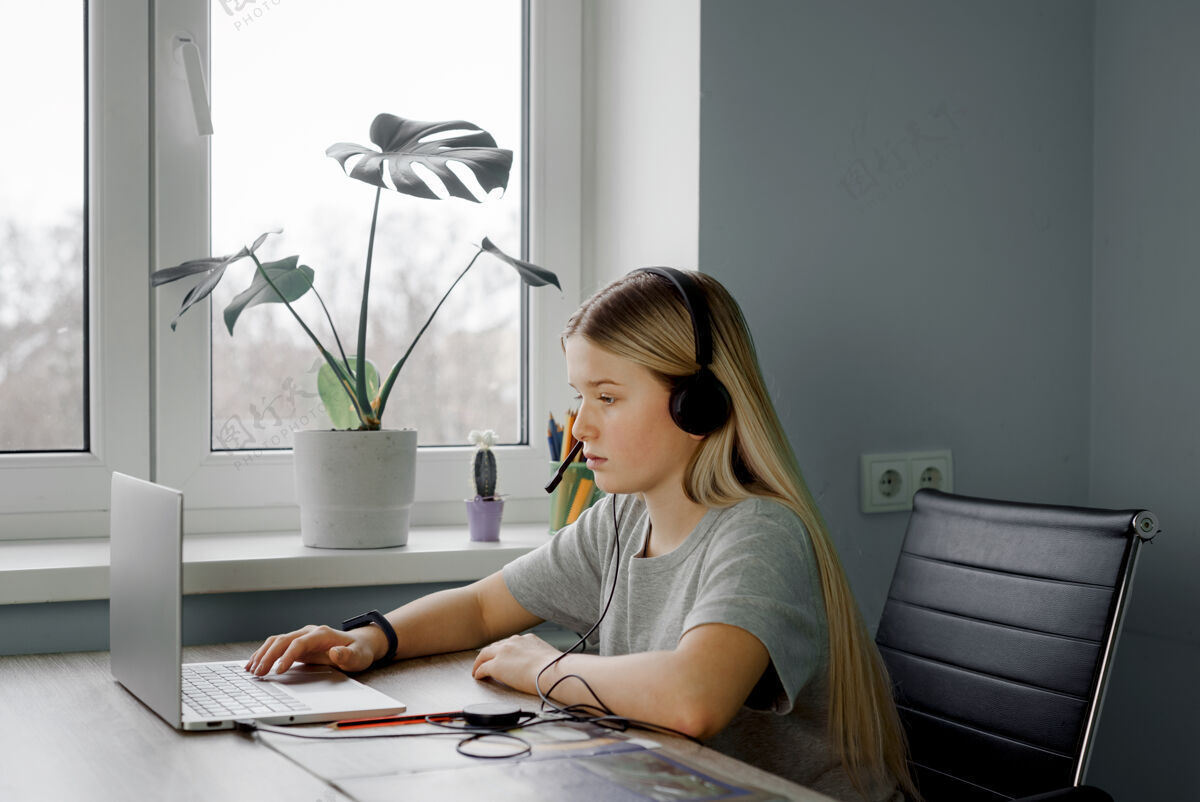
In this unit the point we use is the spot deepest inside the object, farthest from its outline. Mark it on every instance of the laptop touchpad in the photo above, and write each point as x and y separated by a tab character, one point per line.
306	679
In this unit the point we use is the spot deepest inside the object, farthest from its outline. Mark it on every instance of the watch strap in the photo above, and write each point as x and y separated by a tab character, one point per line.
377	618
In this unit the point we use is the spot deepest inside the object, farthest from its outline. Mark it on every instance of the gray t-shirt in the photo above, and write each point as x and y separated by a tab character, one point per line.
751	566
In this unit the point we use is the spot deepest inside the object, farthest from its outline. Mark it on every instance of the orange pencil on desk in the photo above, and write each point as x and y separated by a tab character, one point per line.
583	491
393	721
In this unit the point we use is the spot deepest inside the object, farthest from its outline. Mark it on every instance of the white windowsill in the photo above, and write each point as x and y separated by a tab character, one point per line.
34	571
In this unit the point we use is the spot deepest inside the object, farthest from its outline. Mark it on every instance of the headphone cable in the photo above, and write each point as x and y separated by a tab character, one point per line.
577	712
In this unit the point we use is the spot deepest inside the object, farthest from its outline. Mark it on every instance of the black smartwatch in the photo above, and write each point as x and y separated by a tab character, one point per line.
377	618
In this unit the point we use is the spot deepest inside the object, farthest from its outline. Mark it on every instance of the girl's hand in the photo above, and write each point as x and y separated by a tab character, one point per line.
515	661
348	651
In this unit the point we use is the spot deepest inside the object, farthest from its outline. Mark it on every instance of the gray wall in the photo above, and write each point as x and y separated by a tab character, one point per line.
900	196
1003	291
1145	386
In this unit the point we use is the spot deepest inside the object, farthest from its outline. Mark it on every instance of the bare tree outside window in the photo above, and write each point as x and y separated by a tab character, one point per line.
43	270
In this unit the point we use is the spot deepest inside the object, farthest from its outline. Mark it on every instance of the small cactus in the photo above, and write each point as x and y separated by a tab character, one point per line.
485	463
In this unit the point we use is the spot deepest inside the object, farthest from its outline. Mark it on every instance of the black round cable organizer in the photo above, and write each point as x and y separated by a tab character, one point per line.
497	715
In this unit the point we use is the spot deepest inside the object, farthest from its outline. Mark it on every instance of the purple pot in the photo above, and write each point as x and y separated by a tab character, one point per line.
483	518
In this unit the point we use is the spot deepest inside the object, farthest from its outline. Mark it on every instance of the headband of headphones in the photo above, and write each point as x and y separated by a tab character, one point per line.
697	308
699	403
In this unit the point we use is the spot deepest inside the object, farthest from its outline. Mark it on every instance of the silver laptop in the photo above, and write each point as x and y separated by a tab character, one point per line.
146	634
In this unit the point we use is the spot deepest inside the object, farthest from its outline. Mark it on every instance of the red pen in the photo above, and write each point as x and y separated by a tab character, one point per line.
391	721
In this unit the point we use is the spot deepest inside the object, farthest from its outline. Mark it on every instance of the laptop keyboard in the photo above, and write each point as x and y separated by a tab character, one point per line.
227	690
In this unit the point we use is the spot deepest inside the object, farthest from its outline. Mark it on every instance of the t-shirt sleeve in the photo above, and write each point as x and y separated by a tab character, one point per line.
761	576
560	580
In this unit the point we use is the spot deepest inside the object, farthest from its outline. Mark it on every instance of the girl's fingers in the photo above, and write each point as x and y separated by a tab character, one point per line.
273	648
486	655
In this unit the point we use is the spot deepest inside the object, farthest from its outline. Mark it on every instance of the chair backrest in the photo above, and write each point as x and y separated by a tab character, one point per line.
998	632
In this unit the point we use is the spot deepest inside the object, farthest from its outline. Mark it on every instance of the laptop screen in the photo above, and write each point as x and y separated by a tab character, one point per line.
146	592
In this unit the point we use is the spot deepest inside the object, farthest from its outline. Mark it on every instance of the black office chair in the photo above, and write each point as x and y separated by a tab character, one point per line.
998	633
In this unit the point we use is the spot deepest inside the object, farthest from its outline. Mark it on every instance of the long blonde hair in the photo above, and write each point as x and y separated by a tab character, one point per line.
641	317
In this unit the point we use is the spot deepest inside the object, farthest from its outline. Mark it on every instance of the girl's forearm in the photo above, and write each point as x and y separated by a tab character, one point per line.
459	618
653	687
696	688
446	621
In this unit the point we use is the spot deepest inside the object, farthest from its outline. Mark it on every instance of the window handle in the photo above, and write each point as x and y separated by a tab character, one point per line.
186	49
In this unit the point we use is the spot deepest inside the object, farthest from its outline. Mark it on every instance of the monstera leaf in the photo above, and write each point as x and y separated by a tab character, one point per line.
403	143
290	280
338	398
213	266
531	274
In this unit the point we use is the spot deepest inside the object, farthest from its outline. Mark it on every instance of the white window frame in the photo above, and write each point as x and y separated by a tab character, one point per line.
58	495
225	491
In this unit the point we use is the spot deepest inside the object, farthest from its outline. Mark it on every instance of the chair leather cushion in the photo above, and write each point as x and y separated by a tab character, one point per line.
1062	543
1043	719
1052	662
980	759
1062	608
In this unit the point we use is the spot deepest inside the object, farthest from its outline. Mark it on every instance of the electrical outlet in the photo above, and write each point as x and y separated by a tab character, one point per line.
885	483
933	470
890	480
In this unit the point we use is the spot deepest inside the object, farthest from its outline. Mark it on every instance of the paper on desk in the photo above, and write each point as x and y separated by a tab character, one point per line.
580	762
630	776
342	758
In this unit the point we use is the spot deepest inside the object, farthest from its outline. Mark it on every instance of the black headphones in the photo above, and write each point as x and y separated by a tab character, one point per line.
700	404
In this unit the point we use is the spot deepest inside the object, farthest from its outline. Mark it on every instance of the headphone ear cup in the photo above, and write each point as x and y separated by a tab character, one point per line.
700	404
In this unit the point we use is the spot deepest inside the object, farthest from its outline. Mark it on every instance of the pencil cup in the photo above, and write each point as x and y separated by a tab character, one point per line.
575	493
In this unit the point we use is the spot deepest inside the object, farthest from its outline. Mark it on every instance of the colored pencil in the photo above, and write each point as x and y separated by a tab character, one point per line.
583	491
392	721
568	438
552	437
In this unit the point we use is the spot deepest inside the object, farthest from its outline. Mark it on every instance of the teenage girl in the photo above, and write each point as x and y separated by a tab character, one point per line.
730	618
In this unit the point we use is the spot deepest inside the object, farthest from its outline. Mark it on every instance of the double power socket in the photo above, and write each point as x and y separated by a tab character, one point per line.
889	480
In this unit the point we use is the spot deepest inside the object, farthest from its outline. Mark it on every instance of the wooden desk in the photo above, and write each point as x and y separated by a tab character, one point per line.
69	731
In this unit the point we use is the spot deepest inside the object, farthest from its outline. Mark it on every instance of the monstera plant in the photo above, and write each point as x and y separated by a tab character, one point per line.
355	484
349	385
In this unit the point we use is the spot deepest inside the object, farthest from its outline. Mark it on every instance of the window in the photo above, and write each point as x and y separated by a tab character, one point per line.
43	268
286	80
268	170
144	200
81	181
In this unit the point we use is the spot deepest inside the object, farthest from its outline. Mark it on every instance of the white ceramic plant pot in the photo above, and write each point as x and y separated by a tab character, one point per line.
355	488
